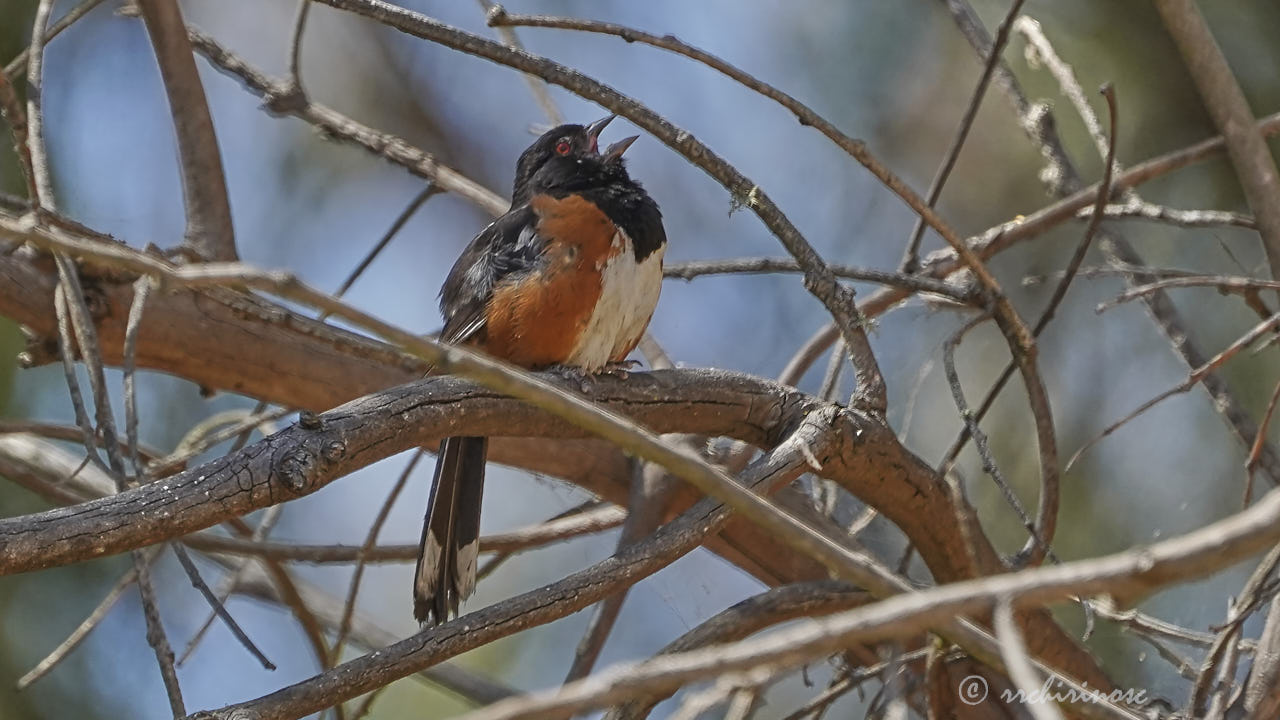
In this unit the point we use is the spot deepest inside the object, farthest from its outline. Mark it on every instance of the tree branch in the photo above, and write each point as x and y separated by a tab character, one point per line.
1226	104
204	186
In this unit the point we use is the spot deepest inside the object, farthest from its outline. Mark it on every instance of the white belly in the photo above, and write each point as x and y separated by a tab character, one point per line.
628	295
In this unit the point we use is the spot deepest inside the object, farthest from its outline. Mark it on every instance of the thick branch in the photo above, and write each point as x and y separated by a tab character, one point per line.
205	335
298	461
866	459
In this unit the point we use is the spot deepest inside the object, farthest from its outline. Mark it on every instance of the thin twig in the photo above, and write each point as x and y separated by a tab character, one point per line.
851	680
650	493
1194	378
396	226
1255	451
576	523
66	351
1055	300
211	432
989	464
537	86
156	637
228	587
750	616
12	113
72	641
1223	283
295	45
1244	605
1021	672
141	290
1261	696
57	431
218	607
37	151
370	540
911	257
18	65
1135	207
697	268
279	98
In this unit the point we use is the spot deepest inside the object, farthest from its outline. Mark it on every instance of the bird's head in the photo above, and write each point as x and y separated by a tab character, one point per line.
566	157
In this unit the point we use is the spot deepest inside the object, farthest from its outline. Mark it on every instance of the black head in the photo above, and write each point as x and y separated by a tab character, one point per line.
563	156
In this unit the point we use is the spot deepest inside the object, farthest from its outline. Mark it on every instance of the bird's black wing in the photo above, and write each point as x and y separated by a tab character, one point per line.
508	246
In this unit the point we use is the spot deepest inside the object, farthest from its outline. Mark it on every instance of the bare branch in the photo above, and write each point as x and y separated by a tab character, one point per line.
281	98
1221	283
693	269
772	607
1262	690
209	231
371	538
1195	377
1021	670
1063	179
537	85
1226	104
911	257
1128	575
12	113
598	519
295	44
18	65
156	637
1259	443
37	155
219	608
86	626
1135	207
650	493
566	596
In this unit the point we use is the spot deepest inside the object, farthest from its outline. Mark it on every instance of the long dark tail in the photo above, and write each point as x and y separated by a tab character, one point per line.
451	532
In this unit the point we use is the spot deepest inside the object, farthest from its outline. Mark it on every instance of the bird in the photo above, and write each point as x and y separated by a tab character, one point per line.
568	278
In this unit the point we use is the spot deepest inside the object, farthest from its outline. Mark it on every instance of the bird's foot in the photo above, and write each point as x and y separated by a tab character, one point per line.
621	369
573	374
583	377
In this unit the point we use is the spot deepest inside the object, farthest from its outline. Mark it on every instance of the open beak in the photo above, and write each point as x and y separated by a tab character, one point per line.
594	129
614	151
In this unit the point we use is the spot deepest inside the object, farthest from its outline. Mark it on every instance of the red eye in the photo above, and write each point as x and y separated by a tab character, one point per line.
563	147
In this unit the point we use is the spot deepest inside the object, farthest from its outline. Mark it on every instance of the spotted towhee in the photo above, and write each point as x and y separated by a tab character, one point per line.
569	276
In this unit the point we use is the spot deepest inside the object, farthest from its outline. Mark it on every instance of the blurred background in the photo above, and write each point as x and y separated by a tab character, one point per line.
895	74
